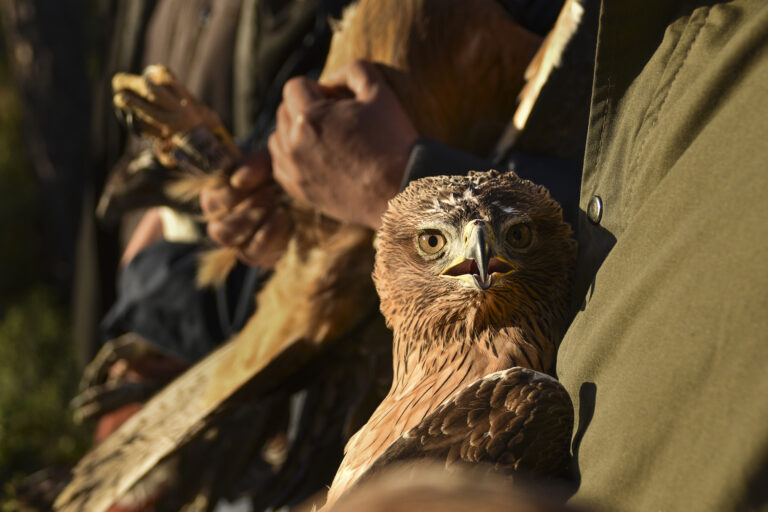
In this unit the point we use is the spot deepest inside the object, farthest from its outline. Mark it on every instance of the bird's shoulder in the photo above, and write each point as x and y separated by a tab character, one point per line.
515	419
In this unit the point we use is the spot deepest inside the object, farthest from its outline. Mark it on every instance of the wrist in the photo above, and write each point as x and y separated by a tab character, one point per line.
391	178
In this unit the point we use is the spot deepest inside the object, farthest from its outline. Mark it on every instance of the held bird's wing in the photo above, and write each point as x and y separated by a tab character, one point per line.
325	293
516	420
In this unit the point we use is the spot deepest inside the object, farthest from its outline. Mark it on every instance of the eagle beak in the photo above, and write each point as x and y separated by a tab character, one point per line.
473	264
476	248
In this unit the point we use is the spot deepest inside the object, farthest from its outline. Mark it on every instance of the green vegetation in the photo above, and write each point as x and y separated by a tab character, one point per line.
38	373
37	379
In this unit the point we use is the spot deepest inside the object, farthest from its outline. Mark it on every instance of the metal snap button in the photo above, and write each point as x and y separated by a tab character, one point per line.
595	209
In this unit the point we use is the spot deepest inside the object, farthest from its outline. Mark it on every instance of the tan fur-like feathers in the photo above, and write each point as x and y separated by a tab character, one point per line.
449	334
321	292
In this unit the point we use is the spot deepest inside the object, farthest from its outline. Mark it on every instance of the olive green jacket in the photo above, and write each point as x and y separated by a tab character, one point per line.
666	359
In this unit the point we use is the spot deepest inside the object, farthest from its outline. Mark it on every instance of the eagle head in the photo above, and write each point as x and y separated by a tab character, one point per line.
484	251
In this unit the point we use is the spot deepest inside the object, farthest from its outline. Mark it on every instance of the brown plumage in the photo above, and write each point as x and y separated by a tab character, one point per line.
518	419
474	276
456	65
321	297
232	401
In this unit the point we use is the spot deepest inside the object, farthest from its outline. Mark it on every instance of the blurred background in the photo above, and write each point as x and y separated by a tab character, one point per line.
52	64
60	142
38	368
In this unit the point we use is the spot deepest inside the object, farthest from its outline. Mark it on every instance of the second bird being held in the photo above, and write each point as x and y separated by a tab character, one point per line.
474	275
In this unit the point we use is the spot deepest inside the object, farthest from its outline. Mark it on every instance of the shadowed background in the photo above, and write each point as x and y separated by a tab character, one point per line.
48	67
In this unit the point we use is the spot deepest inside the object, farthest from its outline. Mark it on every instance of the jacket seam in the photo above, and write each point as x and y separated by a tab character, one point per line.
653	115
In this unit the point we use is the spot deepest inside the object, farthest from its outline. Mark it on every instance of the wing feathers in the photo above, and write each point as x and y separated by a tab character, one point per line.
516	419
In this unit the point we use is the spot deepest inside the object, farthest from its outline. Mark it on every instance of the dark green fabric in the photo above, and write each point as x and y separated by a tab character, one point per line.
666	359
270	31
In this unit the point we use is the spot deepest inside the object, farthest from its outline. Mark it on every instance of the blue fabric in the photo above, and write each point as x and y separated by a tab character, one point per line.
157	298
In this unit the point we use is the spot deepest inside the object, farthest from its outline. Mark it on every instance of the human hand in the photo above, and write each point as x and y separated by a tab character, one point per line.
343	155
248	213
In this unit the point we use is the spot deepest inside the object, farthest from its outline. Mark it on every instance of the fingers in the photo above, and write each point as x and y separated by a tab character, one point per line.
261	234
216	202
284	121
254	171
292	137
220	202
269	241
237	229
237	225
303	99
361	77
299	94
284	168
258	226
249	207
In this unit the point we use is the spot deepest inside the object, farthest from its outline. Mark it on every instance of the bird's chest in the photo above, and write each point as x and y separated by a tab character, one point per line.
423	379
420	385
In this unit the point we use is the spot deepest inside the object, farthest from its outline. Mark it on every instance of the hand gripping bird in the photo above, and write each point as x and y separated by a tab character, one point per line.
435	54
474	276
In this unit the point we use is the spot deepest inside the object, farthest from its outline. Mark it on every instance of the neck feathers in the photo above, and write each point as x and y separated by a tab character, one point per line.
421	348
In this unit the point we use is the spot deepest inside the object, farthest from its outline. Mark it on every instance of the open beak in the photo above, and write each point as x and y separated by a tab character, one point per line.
479	262
476	249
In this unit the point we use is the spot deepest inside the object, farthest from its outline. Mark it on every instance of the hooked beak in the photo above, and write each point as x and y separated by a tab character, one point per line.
478	262
476	248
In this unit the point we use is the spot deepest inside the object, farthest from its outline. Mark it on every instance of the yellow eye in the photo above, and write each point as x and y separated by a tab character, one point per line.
431	242
519	236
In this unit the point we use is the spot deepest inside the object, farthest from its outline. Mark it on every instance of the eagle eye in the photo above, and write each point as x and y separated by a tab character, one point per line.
431	242
519	236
